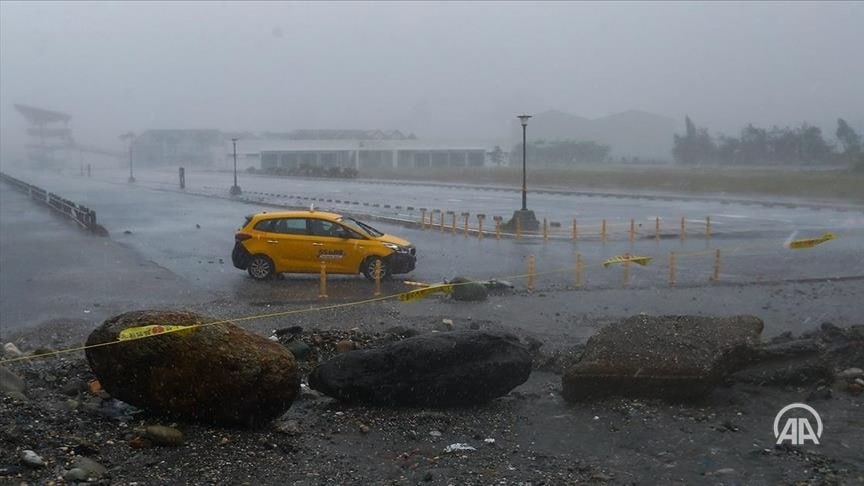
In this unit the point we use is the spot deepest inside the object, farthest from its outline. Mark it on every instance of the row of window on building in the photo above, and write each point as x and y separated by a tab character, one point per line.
370	159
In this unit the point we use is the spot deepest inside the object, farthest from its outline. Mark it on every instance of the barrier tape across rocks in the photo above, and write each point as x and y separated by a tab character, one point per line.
400	296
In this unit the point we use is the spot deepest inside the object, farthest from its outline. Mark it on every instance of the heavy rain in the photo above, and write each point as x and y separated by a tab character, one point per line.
431	243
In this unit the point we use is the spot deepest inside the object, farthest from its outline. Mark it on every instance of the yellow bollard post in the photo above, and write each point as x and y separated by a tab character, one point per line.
441	223
671	268
575	230
657	228
708	227
452	222
716	275
683	230
322	289
465	230
480	218
531	270
423	218
498	220
603	231
545	230
578	270
518	229
632	229
376	274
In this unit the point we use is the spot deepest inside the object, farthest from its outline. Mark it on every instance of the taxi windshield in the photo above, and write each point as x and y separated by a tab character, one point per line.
360	227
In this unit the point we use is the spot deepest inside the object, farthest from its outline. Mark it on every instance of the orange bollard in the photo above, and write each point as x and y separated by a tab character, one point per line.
441	223
322	289
452	222
683	230
423	218
632	229
575	230
498	220
518	228
545	230
480	218
708	227
376	274
671	268
657	229
465	230
603	231
531	269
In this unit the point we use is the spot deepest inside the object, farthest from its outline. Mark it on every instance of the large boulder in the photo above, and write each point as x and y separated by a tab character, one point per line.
674	357
436	369
216	373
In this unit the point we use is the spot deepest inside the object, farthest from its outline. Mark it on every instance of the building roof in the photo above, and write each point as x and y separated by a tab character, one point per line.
41	116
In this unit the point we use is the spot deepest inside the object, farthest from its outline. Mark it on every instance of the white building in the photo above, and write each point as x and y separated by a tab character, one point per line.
359	154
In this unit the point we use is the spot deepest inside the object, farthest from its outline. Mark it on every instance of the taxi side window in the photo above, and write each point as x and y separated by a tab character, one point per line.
294	226
319	227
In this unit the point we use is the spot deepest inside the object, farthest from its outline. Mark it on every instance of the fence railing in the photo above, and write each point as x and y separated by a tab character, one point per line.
82	215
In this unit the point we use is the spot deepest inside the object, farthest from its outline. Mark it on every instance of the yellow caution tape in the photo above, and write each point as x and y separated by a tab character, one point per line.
145	331
420	293
641	260
811	242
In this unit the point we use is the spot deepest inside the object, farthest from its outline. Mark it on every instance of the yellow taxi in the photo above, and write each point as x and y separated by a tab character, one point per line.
298	241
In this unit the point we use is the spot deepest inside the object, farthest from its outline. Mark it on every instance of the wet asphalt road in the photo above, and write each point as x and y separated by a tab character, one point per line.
190	236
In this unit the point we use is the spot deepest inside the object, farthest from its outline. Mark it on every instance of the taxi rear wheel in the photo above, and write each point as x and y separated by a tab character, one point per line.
261	268
369	268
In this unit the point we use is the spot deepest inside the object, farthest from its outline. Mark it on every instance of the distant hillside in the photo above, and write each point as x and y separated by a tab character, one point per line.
630	134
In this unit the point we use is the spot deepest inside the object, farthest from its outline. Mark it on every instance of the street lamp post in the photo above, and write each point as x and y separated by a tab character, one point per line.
235	189
525	218
524	120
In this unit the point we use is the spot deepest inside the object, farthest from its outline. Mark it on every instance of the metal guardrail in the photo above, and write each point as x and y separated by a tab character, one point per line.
82	215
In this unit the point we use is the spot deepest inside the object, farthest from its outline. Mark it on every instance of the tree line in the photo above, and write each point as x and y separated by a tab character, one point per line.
803	145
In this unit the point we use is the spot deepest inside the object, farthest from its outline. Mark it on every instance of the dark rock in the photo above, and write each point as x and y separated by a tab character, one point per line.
468	290
162	435
673	357
93	469
216	373
10	383
299	349
73	386
438	369
788	372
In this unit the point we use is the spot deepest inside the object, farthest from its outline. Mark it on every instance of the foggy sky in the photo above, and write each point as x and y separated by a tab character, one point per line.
454	70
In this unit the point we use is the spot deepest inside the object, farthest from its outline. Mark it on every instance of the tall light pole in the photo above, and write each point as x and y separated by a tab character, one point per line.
523	218
524	120
235	189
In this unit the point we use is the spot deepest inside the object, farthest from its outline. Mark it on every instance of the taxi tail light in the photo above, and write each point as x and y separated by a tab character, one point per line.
241	236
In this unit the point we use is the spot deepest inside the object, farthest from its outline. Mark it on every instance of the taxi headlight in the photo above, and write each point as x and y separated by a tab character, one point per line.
397	248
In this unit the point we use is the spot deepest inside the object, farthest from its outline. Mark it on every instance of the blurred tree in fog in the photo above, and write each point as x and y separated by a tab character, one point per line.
850	140
758	146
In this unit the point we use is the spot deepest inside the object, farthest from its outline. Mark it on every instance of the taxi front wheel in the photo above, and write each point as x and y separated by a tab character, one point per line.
369	268
261	268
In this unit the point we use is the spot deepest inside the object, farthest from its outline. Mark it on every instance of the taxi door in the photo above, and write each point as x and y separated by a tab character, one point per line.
341	248
291	248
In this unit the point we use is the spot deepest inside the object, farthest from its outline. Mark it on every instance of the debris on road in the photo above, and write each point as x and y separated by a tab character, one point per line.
438	369
459	446
216	373
672	357
468	290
